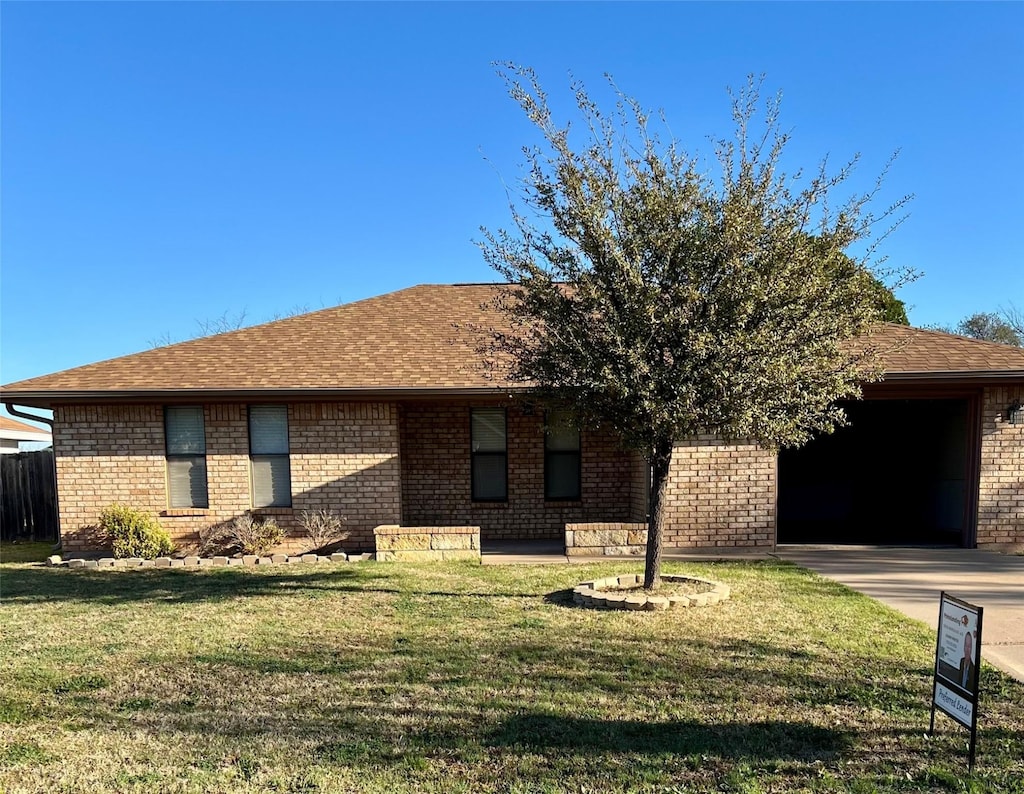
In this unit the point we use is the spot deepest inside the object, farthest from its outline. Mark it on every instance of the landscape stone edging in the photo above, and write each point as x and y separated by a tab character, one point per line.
606	593
193	562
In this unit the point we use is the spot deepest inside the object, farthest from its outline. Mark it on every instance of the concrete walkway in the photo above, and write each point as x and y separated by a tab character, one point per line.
910	580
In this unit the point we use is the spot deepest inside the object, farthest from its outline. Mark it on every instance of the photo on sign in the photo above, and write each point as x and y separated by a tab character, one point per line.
958	651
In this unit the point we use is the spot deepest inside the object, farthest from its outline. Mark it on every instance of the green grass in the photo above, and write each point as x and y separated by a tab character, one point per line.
24	552
460	678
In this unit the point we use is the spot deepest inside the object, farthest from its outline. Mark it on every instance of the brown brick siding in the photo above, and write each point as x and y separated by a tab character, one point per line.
1001	482
344	456
378	463
720	495
436	478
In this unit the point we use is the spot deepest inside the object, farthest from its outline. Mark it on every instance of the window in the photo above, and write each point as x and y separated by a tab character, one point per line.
268	454
489	454
185	439
561	457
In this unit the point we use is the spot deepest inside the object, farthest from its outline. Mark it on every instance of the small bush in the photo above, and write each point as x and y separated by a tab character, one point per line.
133	533
245	534
323	528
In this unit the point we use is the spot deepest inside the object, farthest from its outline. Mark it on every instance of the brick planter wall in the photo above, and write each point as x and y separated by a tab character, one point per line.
605	540
417	544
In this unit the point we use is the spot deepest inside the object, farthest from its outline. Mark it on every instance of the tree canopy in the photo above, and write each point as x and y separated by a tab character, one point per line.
1005	327
664	302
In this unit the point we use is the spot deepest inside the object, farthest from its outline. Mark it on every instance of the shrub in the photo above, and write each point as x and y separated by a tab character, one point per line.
323	528
244	534
133	533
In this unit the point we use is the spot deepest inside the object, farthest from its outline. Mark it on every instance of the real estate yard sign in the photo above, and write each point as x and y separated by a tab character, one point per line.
957	657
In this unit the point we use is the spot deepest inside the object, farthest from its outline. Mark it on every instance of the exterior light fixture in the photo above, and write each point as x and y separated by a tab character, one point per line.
1015	413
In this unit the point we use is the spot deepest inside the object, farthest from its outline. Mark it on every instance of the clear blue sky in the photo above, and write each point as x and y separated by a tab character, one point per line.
167	163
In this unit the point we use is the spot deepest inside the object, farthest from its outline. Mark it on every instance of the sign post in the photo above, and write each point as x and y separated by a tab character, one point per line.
957	658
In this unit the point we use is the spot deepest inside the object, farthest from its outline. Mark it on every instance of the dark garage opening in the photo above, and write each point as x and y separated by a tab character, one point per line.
897	475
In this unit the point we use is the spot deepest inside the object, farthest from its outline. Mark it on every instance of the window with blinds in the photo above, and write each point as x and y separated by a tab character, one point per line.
185	442
271	477
562	460
489	454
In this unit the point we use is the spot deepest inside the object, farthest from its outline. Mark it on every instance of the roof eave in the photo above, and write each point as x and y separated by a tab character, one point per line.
974	376
47	399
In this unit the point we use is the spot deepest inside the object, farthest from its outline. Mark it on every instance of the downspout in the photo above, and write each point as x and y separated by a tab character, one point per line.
56	491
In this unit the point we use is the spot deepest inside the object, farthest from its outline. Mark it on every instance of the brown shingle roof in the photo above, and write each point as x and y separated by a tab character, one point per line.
401	340
916	351
405	340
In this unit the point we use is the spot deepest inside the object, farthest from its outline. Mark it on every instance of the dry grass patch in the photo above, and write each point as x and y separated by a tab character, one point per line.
456	677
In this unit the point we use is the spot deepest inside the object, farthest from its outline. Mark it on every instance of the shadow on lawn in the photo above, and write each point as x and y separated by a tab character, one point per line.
165	585
176	586
761	741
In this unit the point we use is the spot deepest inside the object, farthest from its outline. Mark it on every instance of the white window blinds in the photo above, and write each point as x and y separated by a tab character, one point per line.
489	430
488	448
185	439
186	434
268	452
562	462
268	429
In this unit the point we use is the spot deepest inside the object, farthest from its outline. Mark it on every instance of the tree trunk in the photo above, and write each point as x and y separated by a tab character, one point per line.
656	524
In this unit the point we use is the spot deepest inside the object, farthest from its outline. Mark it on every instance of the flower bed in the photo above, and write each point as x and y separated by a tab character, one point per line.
131	563
626	592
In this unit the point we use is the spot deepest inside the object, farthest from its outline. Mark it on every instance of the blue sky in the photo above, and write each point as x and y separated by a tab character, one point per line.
163	164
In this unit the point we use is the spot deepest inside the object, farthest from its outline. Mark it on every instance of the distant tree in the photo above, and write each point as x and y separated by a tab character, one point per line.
662	302
223	324
991	328
1014	318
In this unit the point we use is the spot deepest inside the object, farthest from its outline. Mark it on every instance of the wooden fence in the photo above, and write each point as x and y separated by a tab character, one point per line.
28	497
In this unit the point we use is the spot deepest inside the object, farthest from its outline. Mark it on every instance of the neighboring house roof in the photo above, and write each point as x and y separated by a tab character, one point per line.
403	342
13	430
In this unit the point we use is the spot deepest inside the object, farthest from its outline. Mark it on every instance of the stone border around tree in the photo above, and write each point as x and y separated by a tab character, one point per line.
192	562
606	594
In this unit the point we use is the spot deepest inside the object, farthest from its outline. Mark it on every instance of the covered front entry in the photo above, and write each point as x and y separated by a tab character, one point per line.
903	472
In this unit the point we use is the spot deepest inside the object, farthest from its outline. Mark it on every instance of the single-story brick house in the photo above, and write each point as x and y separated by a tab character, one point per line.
380	410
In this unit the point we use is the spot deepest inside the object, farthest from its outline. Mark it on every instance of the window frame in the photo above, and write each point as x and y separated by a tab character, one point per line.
169	456
254	456
550	453
473	455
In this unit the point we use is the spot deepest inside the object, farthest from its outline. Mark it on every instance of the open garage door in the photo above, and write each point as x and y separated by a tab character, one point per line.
897	475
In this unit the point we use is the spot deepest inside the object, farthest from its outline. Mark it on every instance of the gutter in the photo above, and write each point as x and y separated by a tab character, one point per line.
999	375
56	491
22	415
47	399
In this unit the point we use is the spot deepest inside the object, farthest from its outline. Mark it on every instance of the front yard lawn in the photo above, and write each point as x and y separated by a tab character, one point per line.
459	678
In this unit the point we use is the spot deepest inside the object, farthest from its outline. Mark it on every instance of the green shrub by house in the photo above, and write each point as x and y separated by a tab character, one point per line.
133	533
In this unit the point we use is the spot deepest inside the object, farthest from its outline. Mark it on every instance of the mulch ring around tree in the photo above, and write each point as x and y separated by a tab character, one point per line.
627	592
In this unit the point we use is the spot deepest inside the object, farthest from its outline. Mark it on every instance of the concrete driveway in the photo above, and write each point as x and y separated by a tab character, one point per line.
910	580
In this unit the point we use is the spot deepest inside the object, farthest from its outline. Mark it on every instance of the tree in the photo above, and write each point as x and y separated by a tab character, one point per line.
224	324
1014	318
664	303
991	328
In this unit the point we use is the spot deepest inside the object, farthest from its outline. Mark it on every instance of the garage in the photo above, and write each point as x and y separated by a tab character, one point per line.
901	473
